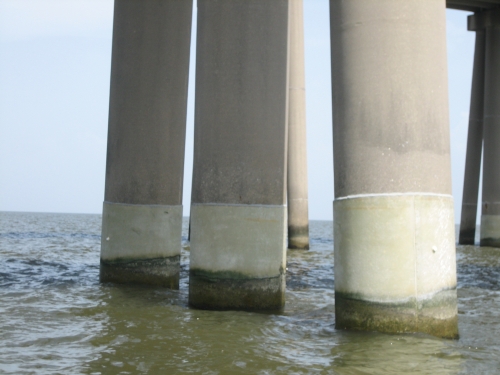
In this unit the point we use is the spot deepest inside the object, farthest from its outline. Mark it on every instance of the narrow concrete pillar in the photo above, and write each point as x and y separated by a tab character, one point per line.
474	146
238	212
298	215
490	217
142	213
394	240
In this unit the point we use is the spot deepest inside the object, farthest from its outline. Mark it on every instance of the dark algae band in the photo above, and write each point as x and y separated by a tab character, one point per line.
158	271
489	241
234	291
298	237
211	276
435	316
467	236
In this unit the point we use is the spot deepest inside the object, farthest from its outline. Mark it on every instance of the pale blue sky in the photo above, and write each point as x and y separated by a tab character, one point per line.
55	58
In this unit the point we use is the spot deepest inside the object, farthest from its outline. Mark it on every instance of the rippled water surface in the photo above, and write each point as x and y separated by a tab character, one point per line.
56	318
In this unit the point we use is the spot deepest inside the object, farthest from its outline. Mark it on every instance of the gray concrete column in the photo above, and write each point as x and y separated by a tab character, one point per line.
490	217
142	213
474	146
394	235
297	196
238	212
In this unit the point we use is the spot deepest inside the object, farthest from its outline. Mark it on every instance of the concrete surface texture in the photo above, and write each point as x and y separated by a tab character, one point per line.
148	102
140	231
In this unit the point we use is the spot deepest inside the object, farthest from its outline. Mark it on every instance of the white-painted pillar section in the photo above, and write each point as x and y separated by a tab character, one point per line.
474	146
298	210
238	212
490	217
142	213
394	235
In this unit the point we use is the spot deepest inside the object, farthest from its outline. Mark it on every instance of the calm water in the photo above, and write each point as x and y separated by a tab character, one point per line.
55	317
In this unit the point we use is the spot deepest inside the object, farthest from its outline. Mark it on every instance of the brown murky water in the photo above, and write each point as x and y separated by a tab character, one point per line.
55	317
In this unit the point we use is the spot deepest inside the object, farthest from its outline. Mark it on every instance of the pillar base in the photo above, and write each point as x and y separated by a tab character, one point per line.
298	237
435	316
395	263
141	244
467	236
467	233
237	257
213	291
160	271
490	230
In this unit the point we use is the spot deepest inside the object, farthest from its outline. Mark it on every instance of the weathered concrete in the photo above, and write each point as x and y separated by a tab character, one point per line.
238	257
298	210
393	211
395	253
490	219
160	271
239	156
141	243
474	146
241	96
436	314
490	225
145	157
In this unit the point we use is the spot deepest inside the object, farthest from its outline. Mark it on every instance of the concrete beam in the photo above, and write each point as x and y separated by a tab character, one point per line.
472	5
482	20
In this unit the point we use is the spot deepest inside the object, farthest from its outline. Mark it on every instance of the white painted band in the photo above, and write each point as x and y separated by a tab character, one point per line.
133	231
392	248
411	194
246	239
490	227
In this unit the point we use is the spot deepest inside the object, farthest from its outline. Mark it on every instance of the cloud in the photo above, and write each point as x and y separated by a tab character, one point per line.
32	19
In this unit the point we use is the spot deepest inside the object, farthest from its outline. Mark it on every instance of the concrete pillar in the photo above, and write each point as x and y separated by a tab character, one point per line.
238	212
490	216
394	240
474	146
142	213
298	216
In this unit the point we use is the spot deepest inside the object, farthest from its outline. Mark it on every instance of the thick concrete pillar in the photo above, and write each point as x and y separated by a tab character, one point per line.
393	211
490	217
142	213
474	146
298	215
238	212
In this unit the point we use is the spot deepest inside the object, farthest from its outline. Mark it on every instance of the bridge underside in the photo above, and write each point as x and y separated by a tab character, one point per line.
472	5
